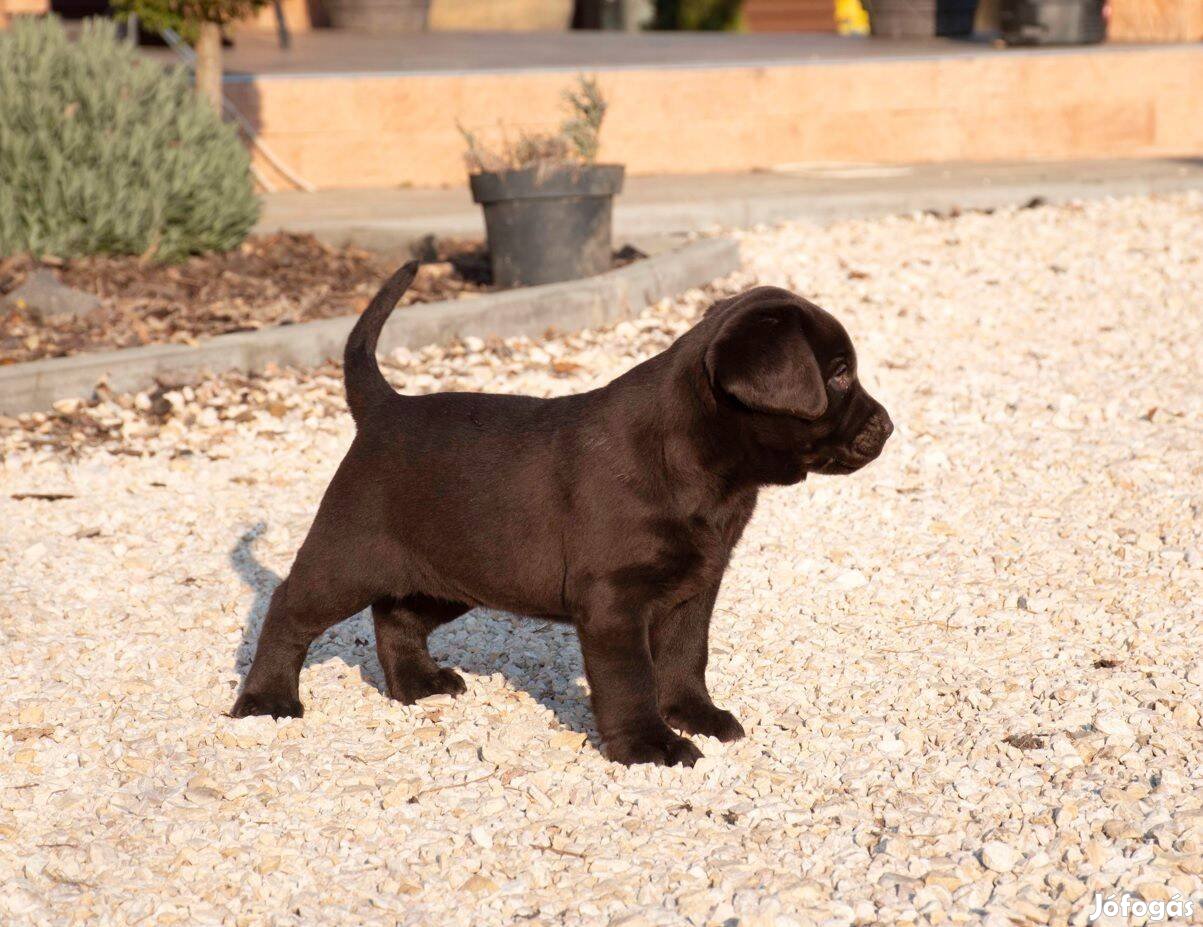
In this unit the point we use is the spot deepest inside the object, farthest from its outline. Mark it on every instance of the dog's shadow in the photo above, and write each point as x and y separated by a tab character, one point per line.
541	658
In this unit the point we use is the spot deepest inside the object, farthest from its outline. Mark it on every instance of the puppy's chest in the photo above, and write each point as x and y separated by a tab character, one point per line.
681	557
718	528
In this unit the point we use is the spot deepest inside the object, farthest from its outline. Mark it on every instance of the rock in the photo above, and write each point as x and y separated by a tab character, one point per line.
478	883
851	579
1066	814
633	919
1113	725
805	893
1154	891
202	794
998	856
1119	829
1186	715
695	904
31	714
568	740
401	793
944	878
44	296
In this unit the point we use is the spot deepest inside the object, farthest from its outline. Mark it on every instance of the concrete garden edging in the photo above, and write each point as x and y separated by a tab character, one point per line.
37	385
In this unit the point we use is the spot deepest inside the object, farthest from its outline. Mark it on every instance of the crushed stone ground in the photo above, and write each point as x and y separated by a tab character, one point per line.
970	674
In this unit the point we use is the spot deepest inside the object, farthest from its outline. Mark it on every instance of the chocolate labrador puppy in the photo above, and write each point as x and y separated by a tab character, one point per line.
616	510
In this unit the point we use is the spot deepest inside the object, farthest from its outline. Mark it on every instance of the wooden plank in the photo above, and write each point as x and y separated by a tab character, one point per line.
789	15
1104	102
1156	21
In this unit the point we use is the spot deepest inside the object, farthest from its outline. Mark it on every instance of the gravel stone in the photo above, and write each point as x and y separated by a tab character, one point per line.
44	297
998	856
997	577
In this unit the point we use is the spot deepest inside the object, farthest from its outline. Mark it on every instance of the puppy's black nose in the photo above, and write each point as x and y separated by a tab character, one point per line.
874	434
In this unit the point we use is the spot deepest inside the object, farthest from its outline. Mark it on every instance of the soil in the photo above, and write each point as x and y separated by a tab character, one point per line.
278	279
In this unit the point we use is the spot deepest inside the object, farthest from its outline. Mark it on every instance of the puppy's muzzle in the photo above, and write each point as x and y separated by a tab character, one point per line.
873	435
865	446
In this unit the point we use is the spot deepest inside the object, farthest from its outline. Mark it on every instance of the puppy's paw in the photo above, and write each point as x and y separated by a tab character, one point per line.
704	718
662	748
449	682
266	703
441	682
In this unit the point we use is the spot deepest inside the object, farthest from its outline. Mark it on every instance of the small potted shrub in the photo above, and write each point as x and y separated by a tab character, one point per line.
547	203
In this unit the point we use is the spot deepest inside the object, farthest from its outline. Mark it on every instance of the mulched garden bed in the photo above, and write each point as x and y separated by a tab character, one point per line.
278	279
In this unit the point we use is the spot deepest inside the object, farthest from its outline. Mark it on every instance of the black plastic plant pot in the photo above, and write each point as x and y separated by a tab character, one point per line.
545	225
1053	22
900	19
380	16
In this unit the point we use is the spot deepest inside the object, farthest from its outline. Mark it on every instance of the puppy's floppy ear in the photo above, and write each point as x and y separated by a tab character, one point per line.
721	306
762	358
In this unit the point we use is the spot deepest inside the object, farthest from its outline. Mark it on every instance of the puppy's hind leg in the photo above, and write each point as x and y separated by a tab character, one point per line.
402	627
680	650
302	607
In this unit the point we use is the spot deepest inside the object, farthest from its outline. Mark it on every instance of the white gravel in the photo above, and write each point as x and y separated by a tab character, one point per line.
1023	563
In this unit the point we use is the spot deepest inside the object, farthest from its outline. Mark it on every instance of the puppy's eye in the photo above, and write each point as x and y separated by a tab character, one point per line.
839	371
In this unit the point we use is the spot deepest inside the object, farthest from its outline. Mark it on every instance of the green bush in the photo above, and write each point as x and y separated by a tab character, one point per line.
697	14
184	16
103	151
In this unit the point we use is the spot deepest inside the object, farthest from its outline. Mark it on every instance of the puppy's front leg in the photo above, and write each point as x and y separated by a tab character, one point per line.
618	665
680	649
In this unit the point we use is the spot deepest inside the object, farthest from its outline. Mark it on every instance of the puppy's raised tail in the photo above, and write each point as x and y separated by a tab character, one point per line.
367	389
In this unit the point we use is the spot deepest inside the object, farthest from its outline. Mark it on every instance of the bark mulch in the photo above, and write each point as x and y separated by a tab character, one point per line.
278	279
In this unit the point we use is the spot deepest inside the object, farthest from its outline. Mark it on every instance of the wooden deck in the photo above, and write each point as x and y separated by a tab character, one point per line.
369	111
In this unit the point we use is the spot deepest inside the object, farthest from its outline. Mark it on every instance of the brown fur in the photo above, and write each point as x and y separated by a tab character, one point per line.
616	510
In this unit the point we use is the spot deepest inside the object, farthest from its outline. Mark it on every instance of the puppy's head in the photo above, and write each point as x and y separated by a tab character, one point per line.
786	371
